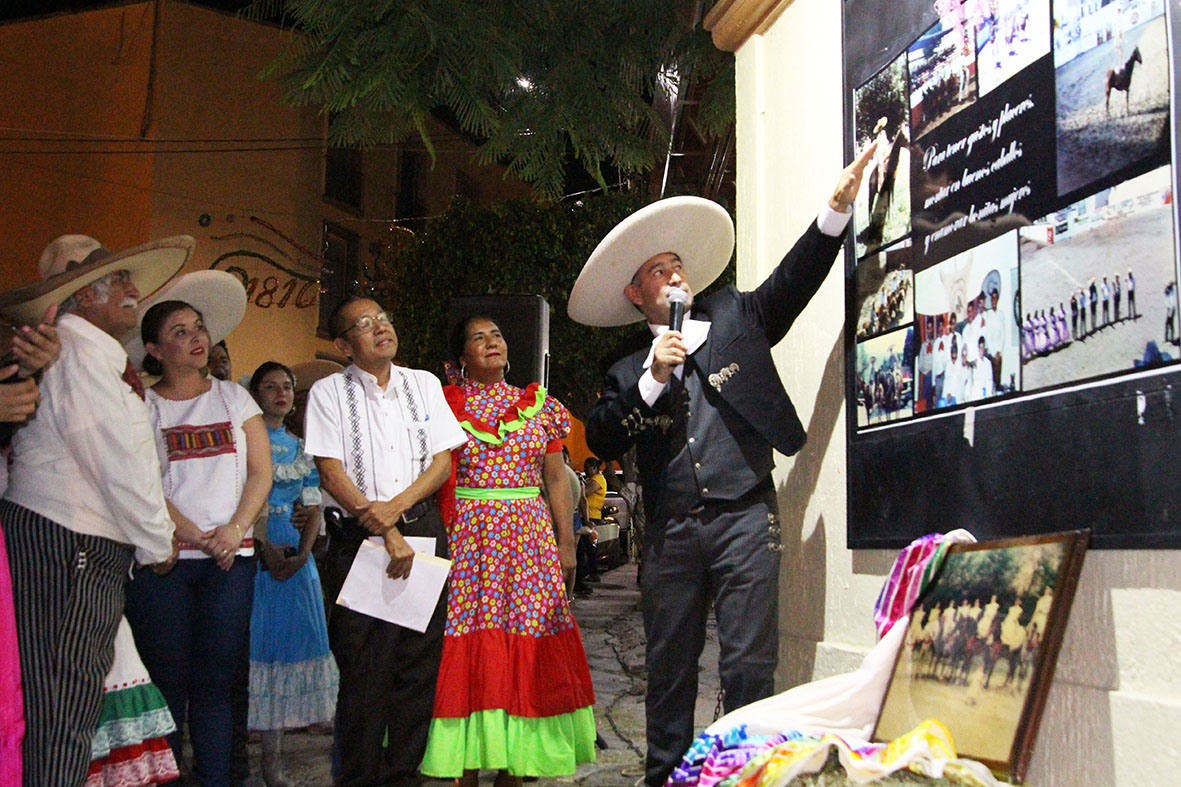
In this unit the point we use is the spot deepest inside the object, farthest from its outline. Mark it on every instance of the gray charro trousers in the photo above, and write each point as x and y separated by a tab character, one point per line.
727	552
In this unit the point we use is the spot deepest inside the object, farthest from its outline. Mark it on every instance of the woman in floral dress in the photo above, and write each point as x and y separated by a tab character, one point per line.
514	691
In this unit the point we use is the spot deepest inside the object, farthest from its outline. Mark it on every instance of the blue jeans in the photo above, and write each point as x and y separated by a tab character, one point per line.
191	626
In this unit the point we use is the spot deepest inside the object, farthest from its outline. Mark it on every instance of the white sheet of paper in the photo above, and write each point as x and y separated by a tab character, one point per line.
408	602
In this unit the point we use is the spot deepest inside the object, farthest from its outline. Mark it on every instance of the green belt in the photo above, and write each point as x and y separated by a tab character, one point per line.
519	493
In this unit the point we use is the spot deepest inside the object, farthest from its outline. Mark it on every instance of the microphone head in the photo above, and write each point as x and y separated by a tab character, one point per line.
677	295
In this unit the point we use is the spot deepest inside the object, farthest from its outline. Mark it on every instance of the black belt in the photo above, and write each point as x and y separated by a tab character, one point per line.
715	506
341	525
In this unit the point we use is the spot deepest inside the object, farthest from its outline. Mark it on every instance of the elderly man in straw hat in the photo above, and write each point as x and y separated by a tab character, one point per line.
84	498
704	406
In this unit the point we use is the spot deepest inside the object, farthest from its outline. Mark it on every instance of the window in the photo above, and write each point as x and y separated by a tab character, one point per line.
413	169
343	181
341	272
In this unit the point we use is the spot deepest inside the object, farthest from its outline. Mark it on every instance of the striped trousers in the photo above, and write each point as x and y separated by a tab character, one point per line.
68	595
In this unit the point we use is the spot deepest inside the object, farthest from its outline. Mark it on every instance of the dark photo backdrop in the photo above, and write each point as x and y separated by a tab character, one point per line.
1084	430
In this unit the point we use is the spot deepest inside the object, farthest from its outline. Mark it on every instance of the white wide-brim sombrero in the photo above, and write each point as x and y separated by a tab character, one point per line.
697	230
150	265
218	295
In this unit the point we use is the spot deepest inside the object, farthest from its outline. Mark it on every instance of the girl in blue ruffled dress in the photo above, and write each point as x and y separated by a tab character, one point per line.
293	677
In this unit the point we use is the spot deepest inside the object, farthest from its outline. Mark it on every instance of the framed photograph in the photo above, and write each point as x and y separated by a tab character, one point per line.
981	645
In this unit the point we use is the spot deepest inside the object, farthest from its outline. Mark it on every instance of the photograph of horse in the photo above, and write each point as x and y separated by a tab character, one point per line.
885	290
881	212
980	639
1122	81
1112	85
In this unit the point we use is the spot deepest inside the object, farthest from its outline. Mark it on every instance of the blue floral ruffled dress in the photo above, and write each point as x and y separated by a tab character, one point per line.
293	676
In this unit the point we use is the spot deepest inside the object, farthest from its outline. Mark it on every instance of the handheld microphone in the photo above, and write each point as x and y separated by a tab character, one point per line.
677	300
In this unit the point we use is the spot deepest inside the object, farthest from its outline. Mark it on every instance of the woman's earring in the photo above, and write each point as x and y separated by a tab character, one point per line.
463	370
507	366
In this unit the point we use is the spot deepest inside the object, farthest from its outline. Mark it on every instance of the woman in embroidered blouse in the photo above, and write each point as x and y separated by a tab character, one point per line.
191	624
513	667
293	677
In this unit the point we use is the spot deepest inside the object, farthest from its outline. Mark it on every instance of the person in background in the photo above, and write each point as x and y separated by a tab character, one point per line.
192	624
73	534
293	677
578	515
595	487
219	362
1170	312
307	373
507	611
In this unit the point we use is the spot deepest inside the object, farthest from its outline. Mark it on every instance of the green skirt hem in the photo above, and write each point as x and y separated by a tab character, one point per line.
494	740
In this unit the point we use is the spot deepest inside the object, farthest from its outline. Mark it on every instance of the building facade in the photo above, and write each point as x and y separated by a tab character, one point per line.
147	119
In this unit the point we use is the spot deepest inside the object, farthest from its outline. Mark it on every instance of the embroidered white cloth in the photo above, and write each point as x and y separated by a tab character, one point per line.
381	437
202	449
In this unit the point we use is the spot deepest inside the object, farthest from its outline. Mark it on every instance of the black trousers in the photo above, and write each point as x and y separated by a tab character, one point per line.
67	591
387	673
727	553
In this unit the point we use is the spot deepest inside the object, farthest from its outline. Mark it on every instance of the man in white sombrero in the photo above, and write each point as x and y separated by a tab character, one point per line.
704	407
84	499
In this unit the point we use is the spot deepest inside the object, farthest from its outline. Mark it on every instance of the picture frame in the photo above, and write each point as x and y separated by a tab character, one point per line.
981	646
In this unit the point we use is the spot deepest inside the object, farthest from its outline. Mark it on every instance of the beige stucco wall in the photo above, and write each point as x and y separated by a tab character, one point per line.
71	76
258	202
1115	706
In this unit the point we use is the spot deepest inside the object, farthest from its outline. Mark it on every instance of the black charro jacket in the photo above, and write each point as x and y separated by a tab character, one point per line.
735	359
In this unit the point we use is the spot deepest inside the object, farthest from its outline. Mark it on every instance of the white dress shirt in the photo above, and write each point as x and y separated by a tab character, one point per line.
828	221
394	445
87	459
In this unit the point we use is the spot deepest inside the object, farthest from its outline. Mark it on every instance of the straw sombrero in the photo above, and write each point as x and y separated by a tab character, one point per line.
218	295
71	262
308	372
697	230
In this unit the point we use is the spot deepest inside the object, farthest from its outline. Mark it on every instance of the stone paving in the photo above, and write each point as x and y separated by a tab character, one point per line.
613	635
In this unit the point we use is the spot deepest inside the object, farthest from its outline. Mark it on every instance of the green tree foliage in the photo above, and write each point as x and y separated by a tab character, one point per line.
532	81
510	247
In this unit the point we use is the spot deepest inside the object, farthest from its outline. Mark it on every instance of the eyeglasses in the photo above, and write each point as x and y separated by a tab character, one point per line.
367	323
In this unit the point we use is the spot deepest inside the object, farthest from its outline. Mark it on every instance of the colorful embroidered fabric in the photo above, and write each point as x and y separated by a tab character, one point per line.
514	689
196	442
732	759
769	742
913	570
129	748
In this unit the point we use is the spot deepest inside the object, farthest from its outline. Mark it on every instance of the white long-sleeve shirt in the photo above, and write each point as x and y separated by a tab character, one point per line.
87	459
